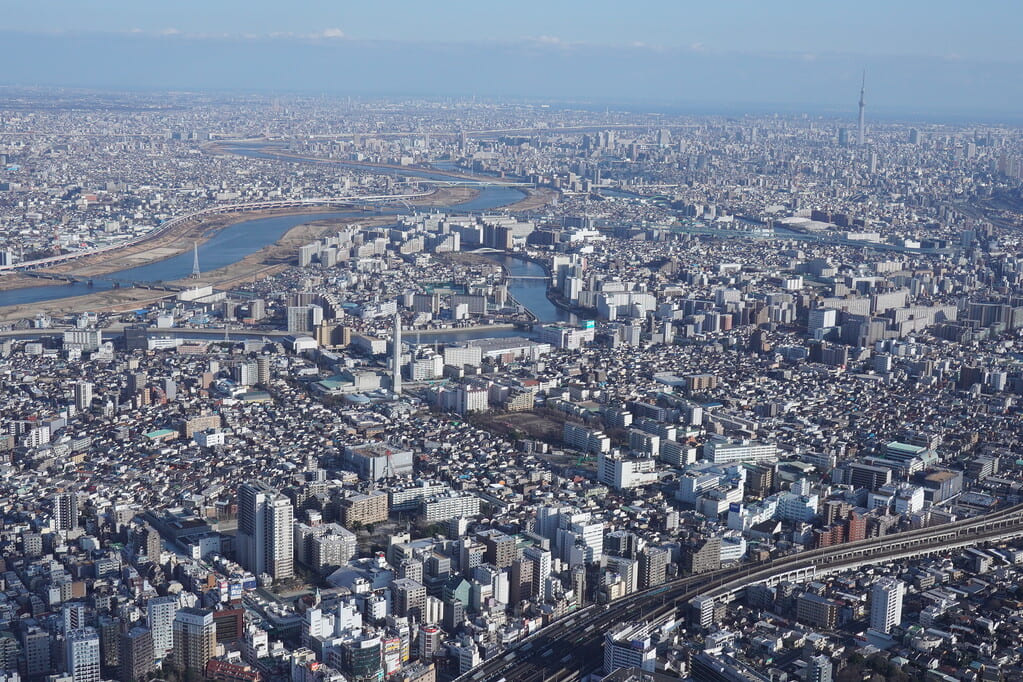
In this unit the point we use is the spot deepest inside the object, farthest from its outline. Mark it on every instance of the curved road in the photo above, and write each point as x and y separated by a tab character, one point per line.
573	645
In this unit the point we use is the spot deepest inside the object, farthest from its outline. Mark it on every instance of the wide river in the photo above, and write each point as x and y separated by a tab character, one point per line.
241	239
532	293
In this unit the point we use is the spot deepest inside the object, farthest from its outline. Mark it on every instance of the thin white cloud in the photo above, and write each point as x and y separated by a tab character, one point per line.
326	34
330	33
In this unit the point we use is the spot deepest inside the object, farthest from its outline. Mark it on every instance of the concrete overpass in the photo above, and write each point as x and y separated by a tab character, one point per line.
1004	526
573	646
415	180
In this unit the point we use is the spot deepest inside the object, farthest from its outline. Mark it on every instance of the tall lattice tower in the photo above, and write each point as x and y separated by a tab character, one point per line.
195	260
861	133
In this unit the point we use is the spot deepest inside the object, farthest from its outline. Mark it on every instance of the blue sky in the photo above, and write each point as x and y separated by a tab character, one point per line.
987	30
920	56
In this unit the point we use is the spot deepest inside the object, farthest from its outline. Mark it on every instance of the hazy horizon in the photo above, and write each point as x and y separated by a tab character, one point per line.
930	61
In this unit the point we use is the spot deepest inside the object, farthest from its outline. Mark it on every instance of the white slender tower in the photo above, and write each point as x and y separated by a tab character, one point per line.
396	355
860	137
886	604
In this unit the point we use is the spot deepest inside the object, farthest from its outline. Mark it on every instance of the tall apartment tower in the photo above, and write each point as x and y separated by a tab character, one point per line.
82	651
65	511
304	318
160	612
860	132
819	669
74	615
396	355
886	604
36	653
653	566
195	640
265	534
83	395
136	660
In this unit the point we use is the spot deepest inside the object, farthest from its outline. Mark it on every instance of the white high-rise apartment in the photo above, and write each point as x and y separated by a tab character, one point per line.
280	547
160	613
629	645
74	614
541	559
396	356
886	604
265	534
83	395
65	511
83	655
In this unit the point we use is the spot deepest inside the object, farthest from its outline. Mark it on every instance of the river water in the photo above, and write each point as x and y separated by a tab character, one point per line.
532	293
241	239
237	241
491	196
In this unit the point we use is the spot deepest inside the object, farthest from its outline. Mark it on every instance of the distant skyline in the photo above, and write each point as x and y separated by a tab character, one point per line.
925	58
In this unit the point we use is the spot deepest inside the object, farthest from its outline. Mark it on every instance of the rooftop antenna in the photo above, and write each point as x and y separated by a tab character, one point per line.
195	260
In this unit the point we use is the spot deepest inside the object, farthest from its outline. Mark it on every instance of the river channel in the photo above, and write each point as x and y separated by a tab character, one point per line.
241	239
531	293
